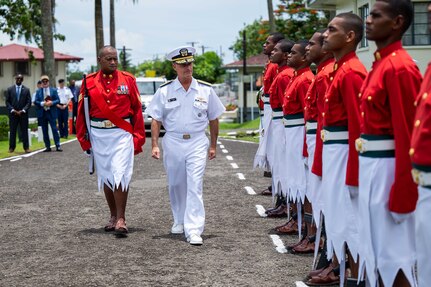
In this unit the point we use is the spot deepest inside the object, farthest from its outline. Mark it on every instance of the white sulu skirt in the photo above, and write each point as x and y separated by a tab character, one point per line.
276	156
423	235
339	201
314	193
113	155
260	159
294	179
386	246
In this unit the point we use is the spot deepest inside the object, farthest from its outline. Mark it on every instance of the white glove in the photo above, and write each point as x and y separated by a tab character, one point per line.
87	153
400	217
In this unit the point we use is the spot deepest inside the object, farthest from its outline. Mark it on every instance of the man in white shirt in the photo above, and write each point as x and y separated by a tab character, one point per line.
185	106
65	95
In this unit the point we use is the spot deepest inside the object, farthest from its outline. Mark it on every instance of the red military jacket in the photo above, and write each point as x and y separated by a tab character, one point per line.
279	85
314	102
341	107
294	95
387	108
269	74
420	151
121	94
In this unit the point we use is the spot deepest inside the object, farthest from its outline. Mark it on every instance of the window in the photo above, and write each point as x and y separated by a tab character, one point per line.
364	11
22	68
1	69
418	33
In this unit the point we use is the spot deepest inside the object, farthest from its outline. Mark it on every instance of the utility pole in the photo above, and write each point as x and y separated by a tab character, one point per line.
203	48
244	67
192	43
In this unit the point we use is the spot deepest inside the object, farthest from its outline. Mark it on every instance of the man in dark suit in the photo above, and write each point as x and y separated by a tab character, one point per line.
18	101
46	101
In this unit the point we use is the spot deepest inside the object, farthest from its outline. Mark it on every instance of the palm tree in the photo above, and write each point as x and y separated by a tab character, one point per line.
271	17
47	9
98	23
112	23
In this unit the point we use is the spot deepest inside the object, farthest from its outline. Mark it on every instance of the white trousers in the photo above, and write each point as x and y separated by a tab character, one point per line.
185	162
423	236
113	157
340	202
386	246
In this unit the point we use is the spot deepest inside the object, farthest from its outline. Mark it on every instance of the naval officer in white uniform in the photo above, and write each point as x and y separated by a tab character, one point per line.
185	106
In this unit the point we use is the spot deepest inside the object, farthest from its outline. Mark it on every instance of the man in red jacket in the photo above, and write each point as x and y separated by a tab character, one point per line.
340	129
421	159
387	193
116	131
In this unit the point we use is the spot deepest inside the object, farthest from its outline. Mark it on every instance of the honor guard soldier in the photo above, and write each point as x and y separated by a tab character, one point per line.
185	106
387	193
421	158
340	130
116	131
269	74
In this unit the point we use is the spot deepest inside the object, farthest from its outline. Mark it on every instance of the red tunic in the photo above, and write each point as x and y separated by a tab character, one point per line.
279	85
123	105
314	102
420	151
387	108
294	95
341	107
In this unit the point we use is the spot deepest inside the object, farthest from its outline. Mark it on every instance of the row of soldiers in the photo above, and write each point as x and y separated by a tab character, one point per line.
352	149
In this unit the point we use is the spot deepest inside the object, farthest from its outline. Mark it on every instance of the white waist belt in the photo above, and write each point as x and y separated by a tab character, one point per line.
293	122
277	114
421	177
310	126
265	100
363	145
105	124
332	136
185	136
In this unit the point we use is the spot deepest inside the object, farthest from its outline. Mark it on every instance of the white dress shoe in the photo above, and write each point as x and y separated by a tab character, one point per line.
177	228
195	239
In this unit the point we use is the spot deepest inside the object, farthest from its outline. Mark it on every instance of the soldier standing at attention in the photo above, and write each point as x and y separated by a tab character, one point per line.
185	106
117	131
387	193
340	130
421	159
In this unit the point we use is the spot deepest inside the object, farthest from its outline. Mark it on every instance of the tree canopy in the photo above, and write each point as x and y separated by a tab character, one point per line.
292	18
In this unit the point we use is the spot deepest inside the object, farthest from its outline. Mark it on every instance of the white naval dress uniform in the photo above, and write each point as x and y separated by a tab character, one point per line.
185	115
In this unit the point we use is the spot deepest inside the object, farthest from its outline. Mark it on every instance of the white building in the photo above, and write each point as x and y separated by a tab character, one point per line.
417	40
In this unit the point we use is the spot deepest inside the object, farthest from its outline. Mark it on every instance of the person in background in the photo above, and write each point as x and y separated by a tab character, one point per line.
65	95
18	101
75	93
46	101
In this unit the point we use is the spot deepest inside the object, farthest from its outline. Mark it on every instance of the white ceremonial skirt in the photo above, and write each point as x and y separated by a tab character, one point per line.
276	151
423	236
339	202
314	193
260	159
386	246
185	161
294	173
113	155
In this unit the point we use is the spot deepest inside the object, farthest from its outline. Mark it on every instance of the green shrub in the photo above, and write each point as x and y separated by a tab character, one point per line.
4	127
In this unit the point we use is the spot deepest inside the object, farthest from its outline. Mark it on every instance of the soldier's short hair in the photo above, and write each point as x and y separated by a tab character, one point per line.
403	8
353	22
277	37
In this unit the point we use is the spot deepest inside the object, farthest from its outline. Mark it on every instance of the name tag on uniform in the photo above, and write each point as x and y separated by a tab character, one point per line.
172	100
200	100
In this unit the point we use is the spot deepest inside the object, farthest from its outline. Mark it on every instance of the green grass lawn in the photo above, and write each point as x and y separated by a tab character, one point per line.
35	145
250	125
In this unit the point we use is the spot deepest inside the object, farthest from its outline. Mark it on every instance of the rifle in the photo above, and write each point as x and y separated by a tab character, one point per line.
87	123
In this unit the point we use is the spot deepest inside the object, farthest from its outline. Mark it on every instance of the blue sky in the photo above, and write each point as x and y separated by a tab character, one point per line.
152	28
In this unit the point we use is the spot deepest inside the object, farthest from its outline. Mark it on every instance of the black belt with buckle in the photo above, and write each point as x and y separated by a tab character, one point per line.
186	136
